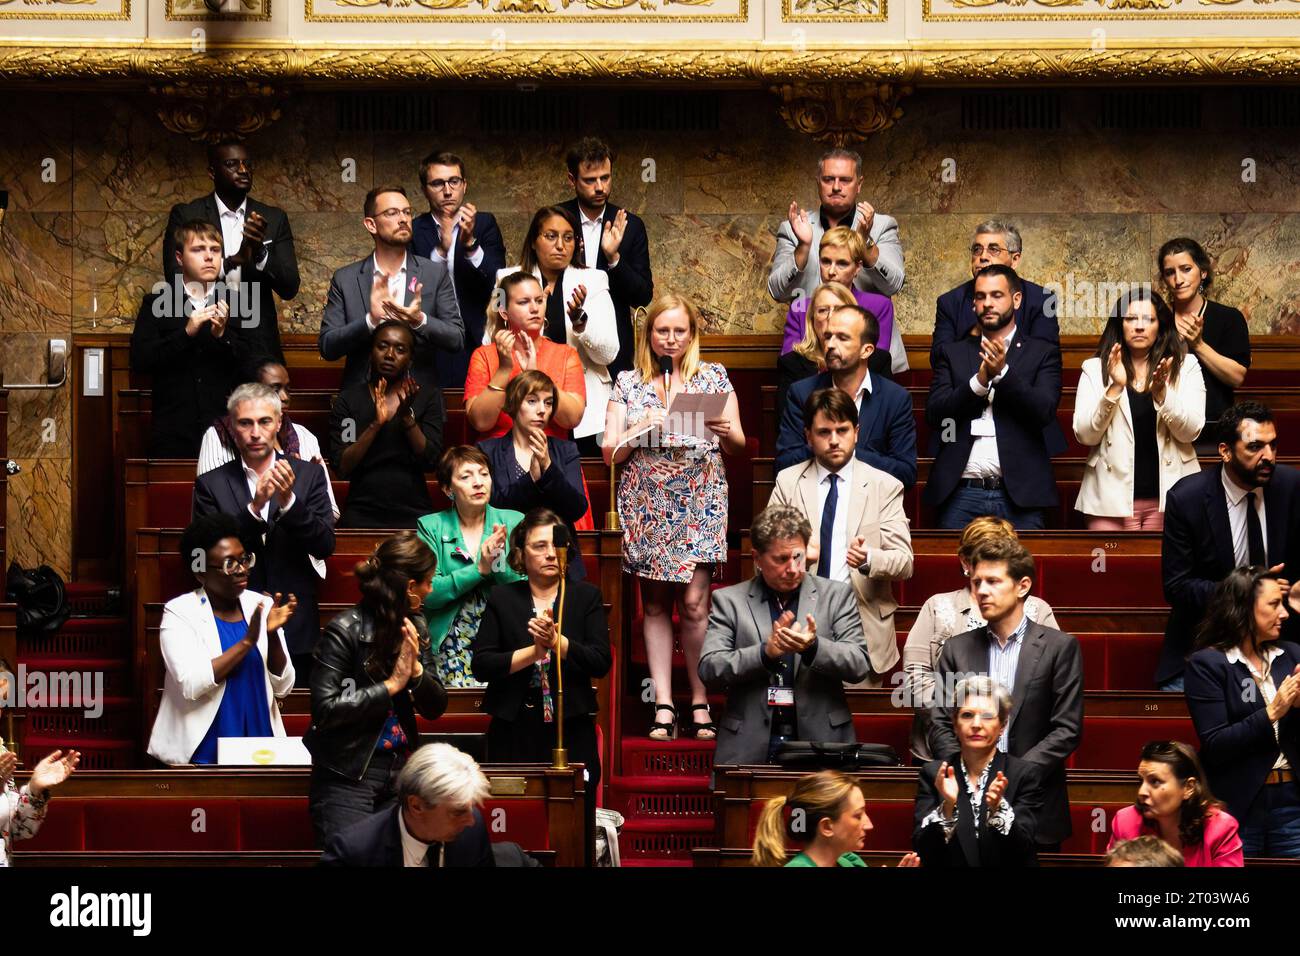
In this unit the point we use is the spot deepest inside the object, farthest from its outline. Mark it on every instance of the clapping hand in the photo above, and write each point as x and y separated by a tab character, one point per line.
1115	365
1190	328
250	246
945	781
542	630
504	340
1160	379
407	664
466	215
993	795
525	355
577	318
541	454
410	314
866	219
910	859
612	235
1285	697
52	771
801	223
378	296
278	614
993	359
8	764
491	548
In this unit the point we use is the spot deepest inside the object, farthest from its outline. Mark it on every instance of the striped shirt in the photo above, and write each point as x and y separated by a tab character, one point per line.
1003	661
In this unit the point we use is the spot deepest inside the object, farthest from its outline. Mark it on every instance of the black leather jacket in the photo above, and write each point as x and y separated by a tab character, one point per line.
349	704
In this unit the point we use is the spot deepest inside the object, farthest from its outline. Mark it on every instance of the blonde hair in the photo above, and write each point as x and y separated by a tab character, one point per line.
501	297
816	797
646	363
845	238
811	346
982	530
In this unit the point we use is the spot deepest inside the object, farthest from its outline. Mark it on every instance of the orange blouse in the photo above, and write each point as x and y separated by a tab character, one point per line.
561	362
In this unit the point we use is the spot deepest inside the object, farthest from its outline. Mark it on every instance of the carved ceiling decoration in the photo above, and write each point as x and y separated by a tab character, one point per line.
971	11
840	114
211	111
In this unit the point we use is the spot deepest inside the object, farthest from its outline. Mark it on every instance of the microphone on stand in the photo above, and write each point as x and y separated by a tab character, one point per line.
560	754
666	367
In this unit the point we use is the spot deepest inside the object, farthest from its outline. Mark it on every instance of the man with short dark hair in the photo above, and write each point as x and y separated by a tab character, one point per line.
1244	511
613	239
391	283
1042	667
860	531
795	270
991	398
185	341
886	426
258	259
455	231
783	682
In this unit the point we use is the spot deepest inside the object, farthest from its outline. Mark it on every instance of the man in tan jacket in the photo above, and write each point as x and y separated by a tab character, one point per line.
860	532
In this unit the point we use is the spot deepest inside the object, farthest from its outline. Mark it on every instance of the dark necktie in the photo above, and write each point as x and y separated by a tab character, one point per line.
828	529
1254	534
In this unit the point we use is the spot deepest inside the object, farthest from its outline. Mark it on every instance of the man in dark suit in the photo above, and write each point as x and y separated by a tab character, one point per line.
284	512
991	397
614	240
392	283
980	806
259	259
455	230
184	340
1244	511
435	823
886	426
1043	667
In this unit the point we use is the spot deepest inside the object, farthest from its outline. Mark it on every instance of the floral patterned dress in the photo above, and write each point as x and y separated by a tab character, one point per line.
21	816
451	662
672	499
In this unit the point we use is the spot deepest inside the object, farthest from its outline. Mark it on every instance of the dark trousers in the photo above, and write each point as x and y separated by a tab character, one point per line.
336	802
1272	825
528	739
966	504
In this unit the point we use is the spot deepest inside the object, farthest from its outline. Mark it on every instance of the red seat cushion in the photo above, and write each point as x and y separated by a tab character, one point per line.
518	821
1091	827
892	729
1113	743
275	823
126	823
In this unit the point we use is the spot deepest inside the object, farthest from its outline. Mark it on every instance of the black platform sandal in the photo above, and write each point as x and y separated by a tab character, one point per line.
703	727
669	728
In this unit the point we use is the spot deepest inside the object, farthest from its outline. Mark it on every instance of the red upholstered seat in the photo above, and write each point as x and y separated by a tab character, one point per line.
519	821
1113	743
1119	661
275	823
63	829
892	729
1128	580
1091	827
125	823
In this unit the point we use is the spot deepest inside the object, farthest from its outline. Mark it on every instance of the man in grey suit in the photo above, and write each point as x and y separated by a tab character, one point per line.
783	645
392	283
1043	667
794	269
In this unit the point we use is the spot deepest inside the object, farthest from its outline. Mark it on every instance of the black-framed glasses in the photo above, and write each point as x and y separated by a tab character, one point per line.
455	182
232	564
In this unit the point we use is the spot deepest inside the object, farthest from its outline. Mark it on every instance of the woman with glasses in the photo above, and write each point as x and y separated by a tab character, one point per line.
225	653
579	311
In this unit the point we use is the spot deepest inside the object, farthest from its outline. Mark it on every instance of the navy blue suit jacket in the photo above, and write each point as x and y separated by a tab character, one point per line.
284	543
886	428
1023	404
1237	743
1197	551
473	284
377	841
631	283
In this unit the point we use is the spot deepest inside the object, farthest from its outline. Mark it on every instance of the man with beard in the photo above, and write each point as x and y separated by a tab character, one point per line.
392	283
886	427
1243	513
990	399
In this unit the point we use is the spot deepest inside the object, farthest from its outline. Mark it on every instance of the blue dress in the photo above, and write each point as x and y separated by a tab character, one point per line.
244	710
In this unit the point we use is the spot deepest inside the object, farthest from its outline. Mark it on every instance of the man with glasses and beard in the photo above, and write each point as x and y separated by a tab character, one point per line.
990	399
1243	513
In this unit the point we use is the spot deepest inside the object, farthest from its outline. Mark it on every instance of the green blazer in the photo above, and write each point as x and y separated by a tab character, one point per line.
847	859
457	573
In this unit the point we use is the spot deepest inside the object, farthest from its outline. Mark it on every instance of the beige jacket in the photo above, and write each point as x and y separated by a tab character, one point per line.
876	513
1107	486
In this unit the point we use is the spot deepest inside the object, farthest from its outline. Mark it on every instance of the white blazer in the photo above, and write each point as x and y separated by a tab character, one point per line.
597	345
191	696
1107	487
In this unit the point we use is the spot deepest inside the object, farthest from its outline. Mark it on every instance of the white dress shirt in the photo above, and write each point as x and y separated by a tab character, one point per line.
984	461
863	389
1236	501
251	477
1266	687
232	235
396	291
839	542
414	852
592	229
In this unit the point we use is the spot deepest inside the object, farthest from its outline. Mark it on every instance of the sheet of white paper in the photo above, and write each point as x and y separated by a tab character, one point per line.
689	412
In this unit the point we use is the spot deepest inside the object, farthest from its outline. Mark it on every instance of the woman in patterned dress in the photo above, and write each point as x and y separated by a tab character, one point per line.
672	499
469	540
945	615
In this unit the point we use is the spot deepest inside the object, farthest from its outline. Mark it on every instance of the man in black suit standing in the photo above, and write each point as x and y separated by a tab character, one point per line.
391	283
991	397
1043	667
183	339
284	512
455	231
1244	511
259	256
613	239
435	822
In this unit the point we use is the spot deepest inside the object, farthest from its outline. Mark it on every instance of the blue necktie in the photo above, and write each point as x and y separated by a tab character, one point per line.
828	529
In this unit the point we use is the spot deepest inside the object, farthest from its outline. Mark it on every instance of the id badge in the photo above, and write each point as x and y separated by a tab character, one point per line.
780	697
983	428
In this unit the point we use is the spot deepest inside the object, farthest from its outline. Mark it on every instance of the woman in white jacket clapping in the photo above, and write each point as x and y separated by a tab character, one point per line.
1140	405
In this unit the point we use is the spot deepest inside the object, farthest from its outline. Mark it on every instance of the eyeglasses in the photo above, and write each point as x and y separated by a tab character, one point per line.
233	164
455	183
552	235
993	250
394	213
231	564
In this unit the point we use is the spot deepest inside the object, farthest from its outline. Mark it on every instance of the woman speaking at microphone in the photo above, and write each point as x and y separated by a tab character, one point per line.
536	637
672	501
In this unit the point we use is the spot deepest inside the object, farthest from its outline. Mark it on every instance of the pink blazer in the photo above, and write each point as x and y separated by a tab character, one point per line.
1220	845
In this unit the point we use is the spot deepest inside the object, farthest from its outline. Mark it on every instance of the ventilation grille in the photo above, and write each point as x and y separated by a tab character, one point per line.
663	845
1149	109
672	804
538	112
672	113
692	763
1014	109
74	723
1270	109
383	112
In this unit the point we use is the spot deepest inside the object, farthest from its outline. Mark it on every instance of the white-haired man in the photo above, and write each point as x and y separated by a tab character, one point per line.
436	821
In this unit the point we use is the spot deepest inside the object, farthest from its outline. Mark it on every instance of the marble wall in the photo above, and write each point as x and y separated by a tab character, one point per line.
91	178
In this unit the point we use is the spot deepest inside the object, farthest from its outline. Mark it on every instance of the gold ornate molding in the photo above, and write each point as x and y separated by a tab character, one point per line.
834	11
840	113
523	11
218	10
53	10
207	112
952	11
139	63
